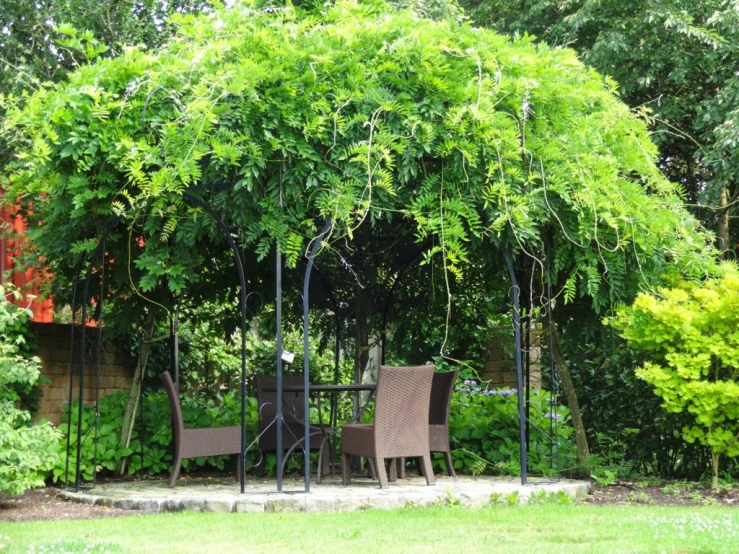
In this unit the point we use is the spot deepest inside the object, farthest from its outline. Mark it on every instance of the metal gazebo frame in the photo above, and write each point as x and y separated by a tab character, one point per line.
79	333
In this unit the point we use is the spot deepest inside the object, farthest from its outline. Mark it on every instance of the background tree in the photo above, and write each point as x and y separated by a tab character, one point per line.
674	62
675	59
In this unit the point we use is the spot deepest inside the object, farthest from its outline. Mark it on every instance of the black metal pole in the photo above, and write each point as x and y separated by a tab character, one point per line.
553	425
527	369
175	347
278	407
83	341
99	354
306	349
242	281
523	457
75	284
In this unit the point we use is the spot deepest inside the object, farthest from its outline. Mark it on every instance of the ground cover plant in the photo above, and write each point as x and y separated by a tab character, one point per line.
483	432
544	527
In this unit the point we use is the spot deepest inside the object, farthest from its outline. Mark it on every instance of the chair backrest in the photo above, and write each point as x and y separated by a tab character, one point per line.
402	410
174	402
442	388
293	407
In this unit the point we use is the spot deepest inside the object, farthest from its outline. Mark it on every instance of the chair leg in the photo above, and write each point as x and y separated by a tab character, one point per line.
346	468
449	466
175	471
381	473
419	466
393	473
427	471
401	468
371	466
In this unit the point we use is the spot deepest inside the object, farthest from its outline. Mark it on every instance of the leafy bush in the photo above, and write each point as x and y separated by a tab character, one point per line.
693	329
483	431
25	449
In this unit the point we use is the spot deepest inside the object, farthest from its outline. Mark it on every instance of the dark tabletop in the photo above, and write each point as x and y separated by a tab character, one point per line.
325	388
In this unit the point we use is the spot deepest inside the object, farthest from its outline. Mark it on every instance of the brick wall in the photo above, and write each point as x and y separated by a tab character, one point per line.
500	367
53	340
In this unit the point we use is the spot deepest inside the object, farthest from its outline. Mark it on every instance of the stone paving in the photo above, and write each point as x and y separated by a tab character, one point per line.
222	494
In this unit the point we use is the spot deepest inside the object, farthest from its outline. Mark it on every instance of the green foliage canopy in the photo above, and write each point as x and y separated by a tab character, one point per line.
364	115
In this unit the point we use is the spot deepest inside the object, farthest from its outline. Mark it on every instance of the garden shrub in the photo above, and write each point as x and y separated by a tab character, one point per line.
483	431
692	330
629	432
26	451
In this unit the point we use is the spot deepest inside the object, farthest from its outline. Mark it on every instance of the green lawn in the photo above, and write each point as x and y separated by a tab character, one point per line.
528	529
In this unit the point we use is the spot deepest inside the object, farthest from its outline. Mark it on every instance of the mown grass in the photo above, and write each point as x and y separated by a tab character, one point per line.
525	529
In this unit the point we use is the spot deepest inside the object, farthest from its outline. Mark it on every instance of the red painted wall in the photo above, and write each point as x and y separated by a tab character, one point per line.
12	231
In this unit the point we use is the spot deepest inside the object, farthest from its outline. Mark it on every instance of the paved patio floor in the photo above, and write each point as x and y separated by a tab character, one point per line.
222	494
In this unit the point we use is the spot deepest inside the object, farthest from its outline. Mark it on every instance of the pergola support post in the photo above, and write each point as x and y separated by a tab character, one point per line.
242	281
306	350
523	454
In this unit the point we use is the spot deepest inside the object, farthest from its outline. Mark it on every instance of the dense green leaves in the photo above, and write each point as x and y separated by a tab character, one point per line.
360	115
675	59
694	329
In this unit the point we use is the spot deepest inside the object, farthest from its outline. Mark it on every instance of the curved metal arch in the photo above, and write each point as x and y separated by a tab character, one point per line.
306	350
242	281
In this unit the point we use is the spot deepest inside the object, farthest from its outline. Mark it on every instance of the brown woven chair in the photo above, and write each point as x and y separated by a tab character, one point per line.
194	443
293	417
442	388
400	428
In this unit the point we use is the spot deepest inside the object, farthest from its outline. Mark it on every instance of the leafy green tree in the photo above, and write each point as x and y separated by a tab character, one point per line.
37	42
693	329
674	58
42	41
26	450
475	140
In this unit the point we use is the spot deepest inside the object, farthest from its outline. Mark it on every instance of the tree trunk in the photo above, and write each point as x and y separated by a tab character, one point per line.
723	223
583	452
714	469
129	417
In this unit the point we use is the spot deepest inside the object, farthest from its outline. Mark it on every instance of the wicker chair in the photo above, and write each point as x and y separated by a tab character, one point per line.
400	428
194	443
442	388
293	417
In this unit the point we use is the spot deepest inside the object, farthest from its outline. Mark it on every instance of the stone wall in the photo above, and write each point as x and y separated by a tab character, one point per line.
53	340
500	367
